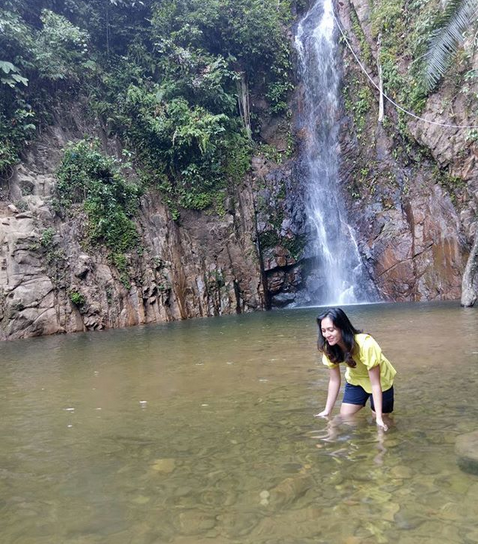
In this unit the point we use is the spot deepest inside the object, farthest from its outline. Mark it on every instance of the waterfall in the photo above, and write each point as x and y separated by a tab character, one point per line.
338	275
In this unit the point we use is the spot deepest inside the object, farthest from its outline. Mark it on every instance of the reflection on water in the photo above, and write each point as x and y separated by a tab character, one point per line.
203	432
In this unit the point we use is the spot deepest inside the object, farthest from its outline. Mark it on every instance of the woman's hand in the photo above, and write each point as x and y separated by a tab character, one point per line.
332	391
381	425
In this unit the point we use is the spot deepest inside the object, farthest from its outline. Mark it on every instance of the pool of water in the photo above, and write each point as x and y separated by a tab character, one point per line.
204	432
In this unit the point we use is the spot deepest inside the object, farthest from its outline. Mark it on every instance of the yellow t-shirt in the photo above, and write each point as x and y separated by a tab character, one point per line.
369	355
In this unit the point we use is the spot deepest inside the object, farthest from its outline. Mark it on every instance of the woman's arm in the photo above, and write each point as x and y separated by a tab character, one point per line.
374	374
332	392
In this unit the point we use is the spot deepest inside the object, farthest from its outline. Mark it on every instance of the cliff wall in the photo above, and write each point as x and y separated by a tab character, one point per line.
417	180
51	281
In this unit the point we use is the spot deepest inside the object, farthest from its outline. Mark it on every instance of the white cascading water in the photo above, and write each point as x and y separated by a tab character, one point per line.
339	276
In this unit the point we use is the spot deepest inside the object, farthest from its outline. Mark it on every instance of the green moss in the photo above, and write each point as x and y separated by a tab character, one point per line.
358	100
295	245
269	239
365	49
453	185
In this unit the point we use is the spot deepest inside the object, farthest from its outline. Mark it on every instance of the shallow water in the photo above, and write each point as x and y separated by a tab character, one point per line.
203	432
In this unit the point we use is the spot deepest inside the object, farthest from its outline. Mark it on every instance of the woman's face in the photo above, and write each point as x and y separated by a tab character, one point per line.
330	332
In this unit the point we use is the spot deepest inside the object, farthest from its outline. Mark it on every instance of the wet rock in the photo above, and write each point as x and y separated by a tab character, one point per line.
402	472
451	511
431	532
237	524
335	478
217	497
193	522
164	466
466	449
82	266
141	499
407	518
459	483
289	491
471	535
472	493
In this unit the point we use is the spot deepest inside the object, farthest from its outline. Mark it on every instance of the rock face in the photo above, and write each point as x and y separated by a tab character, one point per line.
466	449
51	283
414	211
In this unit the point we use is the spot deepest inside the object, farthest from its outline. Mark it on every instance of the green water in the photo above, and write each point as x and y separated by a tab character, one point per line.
203	432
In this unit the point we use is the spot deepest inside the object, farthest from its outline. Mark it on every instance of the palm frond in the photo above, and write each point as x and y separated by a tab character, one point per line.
457	17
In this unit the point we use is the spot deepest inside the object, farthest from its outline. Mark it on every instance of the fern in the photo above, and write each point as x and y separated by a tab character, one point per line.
444	43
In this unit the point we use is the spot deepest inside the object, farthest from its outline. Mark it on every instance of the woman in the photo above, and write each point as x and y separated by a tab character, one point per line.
369	373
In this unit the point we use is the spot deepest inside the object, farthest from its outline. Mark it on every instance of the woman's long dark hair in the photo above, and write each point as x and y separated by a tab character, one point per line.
342	322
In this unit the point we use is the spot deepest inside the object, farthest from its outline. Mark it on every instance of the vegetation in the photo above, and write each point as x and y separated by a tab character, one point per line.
95	182
164	75
400	27
456	19
426	37
77	298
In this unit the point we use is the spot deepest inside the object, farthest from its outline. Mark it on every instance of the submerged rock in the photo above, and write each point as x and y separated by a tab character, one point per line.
165	466
289	491
466	449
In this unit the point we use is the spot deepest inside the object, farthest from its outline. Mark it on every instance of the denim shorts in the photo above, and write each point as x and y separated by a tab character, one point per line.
355	394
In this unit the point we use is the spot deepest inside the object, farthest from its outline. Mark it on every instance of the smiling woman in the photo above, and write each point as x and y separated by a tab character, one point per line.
369	373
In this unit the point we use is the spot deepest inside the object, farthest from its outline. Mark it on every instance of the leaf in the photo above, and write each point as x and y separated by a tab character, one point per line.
90	64
458	16
20	79
7	67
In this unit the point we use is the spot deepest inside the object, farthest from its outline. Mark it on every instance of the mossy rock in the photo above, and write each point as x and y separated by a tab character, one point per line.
466	448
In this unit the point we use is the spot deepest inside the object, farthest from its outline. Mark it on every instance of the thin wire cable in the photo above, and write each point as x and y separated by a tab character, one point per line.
411	114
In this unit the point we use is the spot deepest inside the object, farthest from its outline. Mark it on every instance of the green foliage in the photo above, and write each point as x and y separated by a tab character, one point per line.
249	33
60	48
16	114
16	128
277	95
162	75
77	298
11	75
457	17
47	236
426	35
190	153
269	239
95	181
358	99
365	49
388	17
197	76
455	186
400	25
51	51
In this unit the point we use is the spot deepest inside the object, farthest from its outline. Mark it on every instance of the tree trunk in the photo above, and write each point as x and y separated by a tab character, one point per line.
469	285
243	100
